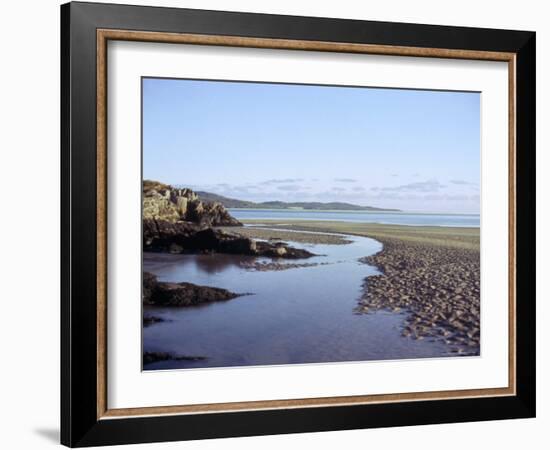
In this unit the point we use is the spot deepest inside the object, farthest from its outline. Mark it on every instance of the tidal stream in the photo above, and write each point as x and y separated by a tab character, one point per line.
295	316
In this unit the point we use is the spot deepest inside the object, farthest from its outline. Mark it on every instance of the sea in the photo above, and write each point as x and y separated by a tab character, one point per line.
382	217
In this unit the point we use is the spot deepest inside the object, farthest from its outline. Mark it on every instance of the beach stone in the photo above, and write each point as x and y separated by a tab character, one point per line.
175	248
180	294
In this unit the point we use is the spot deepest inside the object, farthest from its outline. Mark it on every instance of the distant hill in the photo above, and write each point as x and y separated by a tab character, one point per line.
226	201
234	203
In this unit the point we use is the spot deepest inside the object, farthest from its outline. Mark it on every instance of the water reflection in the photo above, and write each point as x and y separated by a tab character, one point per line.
208	263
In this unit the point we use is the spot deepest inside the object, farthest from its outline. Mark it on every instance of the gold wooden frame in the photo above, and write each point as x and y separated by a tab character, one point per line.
103	36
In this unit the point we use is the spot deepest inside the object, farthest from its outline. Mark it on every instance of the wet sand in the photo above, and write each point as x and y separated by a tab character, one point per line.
282	235
460	237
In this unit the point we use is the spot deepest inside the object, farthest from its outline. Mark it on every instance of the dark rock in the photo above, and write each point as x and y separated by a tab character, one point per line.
188	294
281	251
152	357
221	242
160	235
234	243
276	266
188	237
181	294
175	248
175	220
210	214
149	284
151	320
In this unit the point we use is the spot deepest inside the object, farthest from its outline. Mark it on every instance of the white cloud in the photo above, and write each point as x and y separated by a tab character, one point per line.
290	187
463	182
345	180
419	186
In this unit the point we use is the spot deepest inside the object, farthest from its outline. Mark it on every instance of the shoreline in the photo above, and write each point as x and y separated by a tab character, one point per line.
460	237
277	235
368	211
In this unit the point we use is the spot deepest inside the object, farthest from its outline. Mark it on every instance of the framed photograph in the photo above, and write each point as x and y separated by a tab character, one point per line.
277	224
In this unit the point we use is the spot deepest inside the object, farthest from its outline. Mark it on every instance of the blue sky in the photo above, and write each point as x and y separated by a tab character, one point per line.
407	149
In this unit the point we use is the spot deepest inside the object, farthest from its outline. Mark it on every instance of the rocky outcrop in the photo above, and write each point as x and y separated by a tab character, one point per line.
159	293
175	220
185	237
162	235
170	204
281	250
218	241
211	214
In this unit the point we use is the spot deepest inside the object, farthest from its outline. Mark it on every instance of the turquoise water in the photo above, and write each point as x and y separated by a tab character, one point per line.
393	218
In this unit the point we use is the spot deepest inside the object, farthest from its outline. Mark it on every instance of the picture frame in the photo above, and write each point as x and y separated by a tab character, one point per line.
86	29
